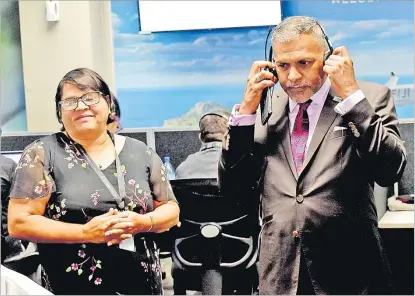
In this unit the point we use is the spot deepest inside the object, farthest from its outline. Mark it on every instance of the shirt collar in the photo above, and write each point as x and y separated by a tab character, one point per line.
318	98
209	145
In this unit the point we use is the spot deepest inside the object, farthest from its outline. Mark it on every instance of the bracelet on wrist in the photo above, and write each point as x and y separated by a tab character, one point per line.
152	223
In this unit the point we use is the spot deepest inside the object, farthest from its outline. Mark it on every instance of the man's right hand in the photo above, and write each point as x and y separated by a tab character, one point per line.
258	80
94	230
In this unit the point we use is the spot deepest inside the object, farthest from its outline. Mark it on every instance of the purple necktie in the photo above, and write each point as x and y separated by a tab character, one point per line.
299	135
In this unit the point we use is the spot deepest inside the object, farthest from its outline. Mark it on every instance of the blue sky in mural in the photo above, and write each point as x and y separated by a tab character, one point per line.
163	75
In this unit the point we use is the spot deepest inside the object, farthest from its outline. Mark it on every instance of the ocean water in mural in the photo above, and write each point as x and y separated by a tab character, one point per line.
13	108
170	78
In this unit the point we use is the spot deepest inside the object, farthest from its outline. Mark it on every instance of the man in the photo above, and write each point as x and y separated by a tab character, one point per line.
314	165
204	163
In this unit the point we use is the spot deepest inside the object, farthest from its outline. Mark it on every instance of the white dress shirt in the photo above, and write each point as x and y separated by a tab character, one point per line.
313	111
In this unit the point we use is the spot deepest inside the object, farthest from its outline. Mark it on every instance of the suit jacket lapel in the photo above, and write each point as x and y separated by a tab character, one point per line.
327	116
283	124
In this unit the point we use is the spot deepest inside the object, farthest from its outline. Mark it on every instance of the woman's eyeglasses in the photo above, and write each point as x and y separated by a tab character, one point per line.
89	99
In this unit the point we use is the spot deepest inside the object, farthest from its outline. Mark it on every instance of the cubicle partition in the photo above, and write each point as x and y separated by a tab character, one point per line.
176	144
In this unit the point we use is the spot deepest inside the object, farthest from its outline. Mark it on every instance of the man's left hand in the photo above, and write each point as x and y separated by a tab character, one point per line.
339	67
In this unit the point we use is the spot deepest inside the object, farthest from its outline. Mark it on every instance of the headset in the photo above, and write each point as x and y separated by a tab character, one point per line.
215	113
266	98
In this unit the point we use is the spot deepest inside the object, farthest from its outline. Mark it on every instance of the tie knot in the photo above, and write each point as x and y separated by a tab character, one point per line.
304	106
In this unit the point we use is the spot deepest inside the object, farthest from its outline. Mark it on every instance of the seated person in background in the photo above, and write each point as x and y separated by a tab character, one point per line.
69	196
114	122
204	163
20	256
201	165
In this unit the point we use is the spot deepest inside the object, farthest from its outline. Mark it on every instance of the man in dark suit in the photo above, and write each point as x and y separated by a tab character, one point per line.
204	163
314	164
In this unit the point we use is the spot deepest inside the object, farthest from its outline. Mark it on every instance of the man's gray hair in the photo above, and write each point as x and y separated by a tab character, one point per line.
293	27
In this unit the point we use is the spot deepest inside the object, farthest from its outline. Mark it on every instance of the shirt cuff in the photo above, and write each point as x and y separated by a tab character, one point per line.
236	119
347	104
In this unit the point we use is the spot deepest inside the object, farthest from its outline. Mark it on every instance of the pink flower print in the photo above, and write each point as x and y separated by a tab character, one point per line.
145	266
81	254
123	170
74	266
131	182
38	189
70	165
146	194
93	267
98	281
94	197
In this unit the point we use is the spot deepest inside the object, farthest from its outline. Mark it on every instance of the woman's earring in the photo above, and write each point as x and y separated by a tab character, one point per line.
112	116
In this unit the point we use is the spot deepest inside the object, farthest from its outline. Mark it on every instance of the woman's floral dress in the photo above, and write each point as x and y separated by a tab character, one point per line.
55	165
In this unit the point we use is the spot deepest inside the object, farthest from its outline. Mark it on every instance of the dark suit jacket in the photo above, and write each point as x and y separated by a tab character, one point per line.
201	165
327	213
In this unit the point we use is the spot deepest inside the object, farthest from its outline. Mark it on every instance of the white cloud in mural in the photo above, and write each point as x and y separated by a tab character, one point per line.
116	21
367	29
136	75
382	62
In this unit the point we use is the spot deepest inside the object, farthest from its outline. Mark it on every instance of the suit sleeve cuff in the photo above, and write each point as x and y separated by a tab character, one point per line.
348	104
236	119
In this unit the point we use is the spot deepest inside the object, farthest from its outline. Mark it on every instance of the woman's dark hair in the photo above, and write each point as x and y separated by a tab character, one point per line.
84	78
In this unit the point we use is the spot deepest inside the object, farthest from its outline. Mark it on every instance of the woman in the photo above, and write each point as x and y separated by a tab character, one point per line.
89	198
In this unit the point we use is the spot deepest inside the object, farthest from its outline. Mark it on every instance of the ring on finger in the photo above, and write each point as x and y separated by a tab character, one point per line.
257	78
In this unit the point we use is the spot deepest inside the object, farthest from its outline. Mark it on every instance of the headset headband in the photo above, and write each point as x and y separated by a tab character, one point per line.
316	22
212	113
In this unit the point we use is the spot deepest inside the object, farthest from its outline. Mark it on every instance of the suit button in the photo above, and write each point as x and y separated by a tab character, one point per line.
295	234
300	198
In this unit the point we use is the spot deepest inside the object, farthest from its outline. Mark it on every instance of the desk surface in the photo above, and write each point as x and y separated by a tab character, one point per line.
397	219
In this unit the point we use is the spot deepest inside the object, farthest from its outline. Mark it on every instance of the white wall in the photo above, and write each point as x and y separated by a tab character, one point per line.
81	38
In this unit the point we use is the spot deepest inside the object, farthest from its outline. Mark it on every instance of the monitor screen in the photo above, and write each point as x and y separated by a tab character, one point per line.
15	155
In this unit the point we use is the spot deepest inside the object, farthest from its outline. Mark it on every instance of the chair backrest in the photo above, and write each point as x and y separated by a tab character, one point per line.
202	203
200	200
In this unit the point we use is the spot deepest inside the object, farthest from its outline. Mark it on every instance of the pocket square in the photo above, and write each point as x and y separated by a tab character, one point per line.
339	128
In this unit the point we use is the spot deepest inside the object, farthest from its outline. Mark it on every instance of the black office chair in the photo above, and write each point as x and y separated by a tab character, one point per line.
217	239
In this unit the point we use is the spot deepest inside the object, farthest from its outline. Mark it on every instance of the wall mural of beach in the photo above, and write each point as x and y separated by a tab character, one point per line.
169	79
